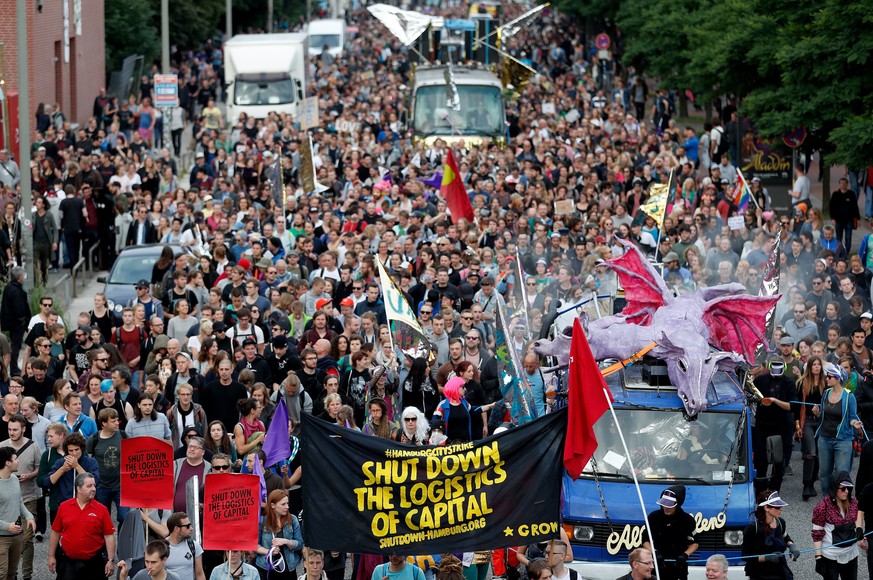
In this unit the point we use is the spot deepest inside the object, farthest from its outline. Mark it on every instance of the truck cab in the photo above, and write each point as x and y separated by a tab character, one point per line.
264	73
711	456
327	32
457	102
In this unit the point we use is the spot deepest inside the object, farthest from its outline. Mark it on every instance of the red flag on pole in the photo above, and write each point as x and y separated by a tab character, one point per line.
452	189
586	403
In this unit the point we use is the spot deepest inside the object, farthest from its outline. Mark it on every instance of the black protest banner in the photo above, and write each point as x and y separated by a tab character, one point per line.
382	497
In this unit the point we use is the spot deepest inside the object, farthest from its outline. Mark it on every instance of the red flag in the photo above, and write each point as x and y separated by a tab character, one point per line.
586	403
452	189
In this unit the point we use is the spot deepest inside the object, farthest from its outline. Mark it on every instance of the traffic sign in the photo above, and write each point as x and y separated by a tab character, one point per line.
166	90
795	138
603	41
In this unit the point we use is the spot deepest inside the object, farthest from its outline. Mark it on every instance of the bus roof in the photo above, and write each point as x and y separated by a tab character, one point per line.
464	75
647	383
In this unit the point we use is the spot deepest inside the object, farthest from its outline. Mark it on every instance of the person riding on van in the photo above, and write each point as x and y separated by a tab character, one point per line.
675	530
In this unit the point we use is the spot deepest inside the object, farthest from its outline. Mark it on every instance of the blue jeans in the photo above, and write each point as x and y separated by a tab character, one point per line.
868	207
833	455
106	496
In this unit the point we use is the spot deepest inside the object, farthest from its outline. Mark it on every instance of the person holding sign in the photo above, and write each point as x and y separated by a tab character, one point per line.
280	541
156	554
185	556
397	568
235	567
454	415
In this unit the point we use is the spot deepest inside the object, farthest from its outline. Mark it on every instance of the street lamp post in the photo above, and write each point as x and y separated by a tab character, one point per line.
24	143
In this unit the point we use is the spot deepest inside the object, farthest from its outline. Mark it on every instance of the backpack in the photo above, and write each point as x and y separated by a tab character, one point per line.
92	442
722	145
142	336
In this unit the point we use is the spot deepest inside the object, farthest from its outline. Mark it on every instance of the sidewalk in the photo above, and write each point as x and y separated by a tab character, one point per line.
816	191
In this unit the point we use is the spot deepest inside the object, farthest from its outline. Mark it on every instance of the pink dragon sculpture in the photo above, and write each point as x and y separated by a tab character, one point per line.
716	328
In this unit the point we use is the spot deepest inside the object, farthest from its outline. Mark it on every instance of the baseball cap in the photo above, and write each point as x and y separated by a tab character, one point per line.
219	327
322	303
141	284
867	316
347	302
671	257
786	341
279	341
249	341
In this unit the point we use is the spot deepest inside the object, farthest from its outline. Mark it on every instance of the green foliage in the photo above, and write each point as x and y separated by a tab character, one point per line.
800	63
191	23
605	9
130	29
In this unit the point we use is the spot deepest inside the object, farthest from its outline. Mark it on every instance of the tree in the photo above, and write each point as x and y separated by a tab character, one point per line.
804	63
129	30
191	23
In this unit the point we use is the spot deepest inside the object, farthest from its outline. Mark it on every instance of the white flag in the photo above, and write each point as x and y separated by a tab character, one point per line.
406	25
396	306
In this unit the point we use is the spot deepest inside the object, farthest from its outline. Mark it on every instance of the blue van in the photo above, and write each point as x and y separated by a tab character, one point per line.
711	456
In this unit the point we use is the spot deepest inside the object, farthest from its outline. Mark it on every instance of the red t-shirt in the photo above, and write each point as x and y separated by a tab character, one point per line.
82	529
131	344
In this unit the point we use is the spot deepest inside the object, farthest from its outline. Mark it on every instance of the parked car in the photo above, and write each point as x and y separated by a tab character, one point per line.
133	264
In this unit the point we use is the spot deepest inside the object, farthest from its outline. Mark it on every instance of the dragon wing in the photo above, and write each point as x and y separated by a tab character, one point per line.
644	289
738	323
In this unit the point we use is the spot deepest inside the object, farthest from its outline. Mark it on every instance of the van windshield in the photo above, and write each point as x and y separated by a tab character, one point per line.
481	111
666	447
319	40
272	92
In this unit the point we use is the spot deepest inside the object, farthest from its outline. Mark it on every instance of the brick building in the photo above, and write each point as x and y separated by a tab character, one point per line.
66	53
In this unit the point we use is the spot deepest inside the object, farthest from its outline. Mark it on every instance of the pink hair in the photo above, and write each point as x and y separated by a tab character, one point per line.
452	389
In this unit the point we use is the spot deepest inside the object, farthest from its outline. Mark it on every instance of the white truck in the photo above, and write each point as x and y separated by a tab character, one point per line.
328	32
264	73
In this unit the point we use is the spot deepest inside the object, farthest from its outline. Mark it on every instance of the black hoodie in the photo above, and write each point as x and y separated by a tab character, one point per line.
675	532
258	366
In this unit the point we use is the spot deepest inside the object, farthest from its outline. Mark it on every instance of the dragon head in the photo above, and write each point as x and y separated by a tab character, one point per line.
691	368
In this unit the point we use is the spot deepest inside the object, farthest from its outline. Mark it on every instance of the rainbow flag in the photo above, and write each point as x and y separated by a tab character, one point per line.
741	194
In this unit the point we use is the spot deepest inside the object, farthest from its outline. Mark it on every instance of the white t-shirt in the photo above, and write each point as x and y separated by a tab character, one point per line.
36	320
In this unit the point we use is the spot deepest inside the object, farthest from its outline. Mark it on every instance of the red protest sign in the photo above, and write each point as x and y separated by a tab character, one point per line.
231	504
146	473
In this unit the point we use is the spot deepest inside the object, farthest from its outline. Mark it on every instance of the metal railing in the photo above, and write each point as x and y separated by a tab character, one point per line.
74	274
90	265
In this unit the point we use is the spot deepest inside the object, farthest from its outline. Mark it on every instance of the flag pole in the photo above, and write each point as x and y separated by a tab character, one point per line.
661	224
634	475
384	272
747	188
521	282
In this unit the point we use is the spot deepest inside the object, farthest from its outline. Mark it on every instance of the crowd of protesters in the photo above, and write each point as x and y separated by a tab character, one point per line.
276	294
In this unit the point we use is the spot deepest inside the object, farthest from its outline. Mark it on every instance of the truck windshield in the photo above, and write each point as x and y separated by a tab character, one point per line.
666	447
274	92
481	111
319	40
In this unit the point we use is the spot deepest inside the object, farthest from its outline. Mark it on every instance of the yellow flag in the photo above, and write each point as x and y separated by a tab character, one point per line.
657	204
